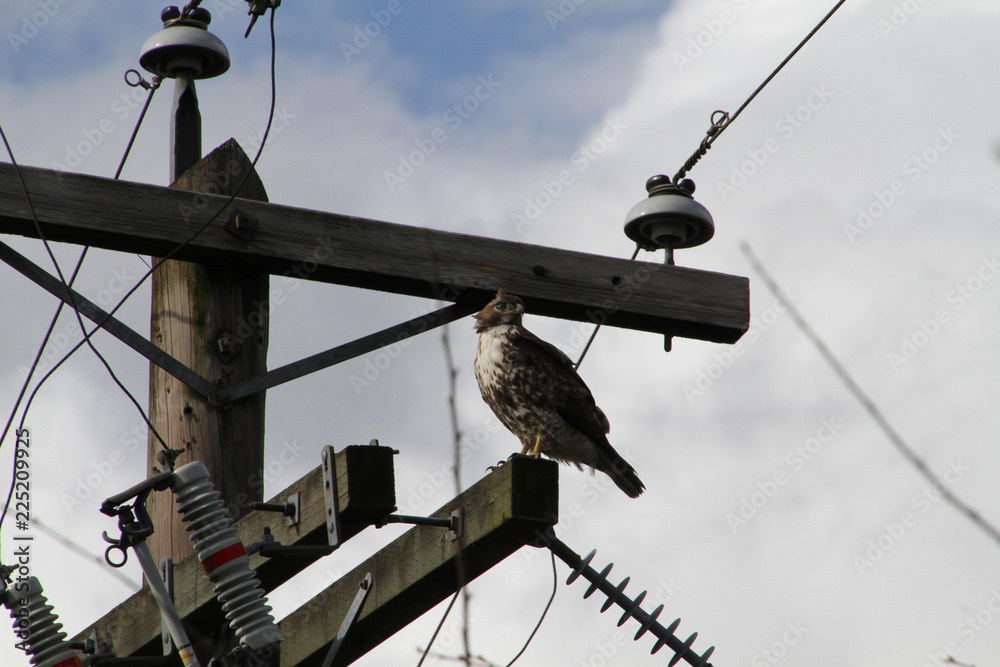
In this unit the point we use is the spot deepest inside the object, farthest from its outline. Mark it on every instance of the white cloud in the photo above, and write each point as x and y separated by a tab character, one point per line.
342	126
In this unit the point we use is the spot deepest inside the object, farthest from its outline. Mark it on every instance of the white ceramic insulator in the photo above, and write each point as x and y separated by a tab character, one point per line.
224	558
38	626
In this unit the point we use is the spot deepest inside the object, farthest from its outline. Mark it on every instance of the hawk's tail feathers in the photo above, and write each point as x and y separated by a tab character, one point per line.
625	477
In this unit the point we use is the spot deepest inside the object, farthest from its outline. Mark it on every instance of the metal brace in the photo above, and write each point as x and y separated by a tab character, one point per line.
225	346
365	587
99	654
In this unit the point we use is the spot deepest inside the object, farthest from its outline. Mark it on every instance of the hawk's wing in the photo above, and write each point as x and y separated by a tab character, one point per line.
545	376
572	398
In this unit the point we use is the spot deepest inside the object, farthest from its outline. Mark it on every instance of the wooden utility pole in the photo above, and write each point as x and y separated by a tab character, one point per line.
213	408
215	321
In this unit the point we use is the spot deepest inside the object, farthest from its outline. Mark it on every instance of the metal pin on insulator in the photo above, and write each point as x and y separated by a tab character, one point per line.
636	603
614	598
38	626
596	583
649	622
224	558
584	563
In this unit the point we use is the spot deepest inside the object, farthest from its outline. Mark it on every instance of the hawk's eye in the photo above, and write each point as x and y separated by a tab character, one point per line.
499	306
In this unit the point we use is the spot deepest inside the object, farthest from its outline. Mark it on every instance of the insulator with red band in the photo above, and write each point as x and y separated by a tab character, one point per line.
37	626
224	558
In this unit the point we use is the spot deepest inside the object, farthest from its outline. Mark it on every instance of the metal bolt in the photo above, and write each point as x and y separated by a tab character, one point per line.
170	14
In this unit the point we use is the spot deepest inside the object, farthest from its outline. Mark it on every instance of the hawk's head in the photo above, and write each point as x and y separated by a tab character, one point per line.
503	309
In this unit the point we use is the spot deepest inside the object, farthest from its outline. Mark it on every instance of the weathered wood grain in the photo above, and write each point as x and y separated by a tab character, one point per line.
191	305
329	247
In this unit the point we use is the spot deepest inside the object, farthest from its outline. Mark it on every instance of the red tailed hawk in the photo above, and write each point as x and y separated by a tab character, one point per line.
534	390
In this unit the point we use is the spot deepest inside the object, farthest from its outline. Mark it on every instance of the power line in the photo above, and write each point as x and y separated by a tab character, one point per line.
72	301
866	402
76	270
88	334
724	120
79	263
27	380
555	587
597	328
213	218
151	87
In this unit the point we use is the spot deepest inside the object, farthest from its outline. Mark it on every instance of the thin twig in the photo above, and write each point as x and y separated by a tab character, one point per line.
456	472
866	402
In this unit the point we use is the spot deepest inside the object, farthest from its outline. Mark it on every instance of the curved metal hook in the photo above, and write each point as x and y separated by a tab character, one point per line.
116	545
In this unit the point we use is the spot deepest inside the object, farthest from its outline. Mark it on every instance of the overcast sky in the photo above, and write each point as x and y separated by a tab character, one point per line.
779	522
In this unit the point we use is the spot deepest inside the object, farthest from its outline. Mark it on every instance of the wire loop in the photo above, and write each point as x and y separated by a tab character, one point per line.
719	126
719	121
141	81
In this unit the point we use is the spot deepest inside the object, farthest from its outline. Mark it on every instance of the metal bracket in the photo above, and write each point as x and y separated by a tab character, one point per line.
258	8
92	645
241	225
295	502
457	524
99	654
268	547
225	346
334	535
365	587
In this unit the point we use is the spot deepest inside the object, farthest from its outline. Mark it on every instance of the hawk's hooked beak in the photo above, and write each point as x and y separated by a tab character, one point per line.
516	310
